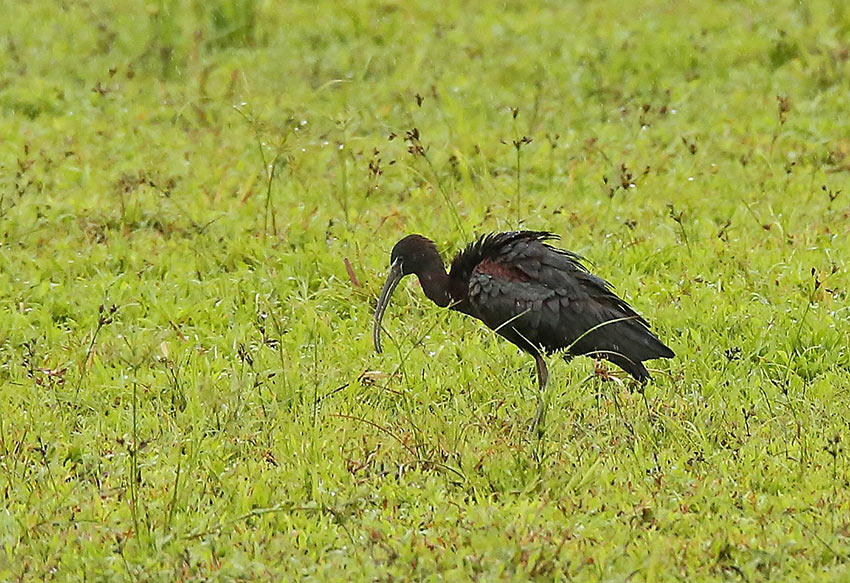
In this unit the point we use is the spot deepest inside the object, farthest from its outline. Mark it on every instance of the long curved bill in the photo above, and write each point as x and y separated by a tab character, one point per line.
393	277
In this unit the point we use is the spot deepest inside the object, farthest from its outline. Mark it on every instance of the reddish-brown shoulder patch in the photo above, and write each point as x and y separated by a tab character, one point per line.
500	270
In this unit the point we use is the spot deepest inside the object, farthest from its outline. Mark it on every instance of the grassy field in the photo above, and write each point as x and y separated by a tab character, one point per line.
197	205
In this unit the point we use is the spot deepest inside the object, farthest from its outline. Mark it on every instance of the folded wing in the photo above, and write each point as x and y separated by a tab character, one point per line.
543	299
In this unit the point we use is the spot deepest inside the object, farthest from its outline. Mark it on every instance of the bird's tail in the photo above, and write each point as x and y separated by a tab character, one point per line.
633	367
630	346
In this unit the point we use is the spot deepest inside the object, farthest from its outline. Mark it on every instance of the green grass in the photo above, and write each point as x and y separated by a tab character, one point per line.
188	386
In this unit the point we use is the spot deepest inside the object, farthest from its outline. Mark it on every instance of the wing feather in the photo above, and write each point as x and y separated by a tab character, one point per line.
544	299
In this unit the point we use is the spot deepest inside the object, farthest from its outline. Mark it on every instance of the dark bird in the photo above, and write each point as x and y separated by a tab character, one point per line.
540	298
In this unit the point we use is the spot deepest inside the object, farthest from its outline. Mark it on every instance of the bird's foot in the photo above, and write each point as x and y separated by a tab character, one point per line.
536	427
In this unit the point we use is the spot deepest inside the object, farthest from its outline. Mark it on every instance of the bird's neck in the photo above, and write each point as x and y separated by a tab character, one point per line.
435	284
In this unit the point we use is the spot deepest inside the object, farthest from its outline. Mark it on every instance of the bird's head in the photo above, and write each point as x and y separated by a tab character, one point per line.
413	254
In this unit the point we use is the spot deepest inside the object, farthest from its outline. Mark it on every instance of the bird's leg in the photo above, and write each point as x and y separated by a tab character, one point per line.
542	379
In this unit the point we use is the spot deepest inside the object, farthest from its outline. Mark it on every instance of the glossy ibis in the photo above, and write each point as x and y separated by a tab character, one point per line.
540	298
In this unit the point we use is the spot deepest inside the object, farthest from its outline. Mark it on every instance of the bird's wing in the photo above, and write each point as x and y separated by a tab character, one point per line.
530	290
543	298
